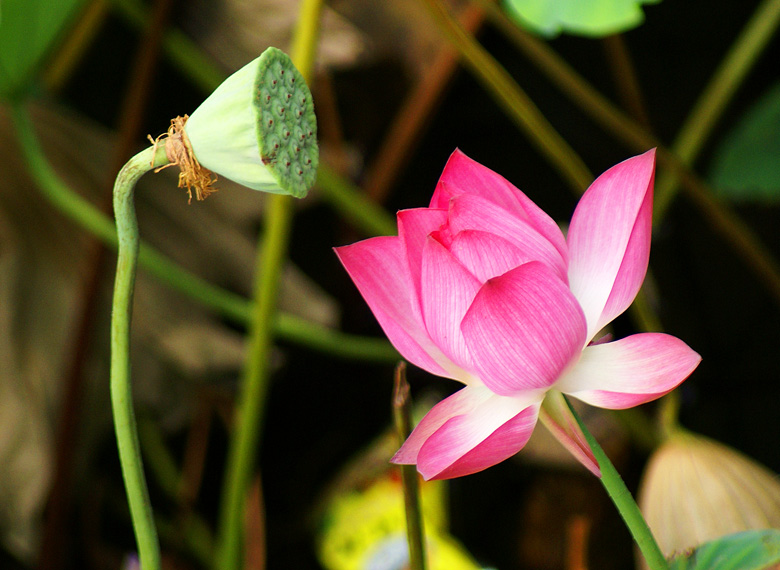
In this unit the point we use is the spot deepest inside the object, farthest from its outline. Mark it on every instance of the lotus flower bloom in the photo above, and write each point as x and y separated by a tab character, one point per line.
482	287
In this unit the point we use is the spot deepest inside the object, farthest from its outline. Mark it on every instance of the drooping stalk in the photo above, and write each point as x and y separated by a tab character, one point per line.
621	497
121	388
242	451
225	303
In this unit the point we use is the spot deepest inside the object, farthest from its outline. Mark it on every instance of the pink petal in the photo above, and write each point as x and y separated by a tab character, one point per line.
461	402
414	226
630	371
558	419
609	240
447	290
486	255
523	329
380	271
470	212
462	175
492	429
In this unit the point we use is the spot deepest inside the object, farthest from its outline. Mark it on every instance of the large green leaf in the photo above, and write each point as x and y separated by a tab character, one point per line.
28	30
746	165
594	18
749	550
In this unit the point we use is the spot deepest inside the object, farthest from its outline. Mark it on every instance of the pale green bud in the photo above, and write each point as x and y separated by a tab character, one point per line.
258	128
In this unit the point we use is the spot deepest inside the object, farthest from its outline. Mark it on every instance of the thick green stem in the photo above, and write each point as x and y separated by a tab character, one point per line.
626	506
272	250
121	389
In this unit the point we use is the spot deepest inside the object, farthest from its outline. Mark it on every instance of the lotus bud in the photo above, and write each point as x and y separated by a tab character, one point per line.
257	128
695	490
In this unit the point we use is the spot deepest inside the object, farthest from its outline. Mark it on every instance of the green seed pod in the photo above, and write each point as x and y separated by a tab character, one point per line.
258	128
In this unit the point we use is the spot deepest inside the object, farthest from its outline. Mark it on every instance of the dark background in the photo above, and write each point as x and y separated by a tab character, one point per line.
323	410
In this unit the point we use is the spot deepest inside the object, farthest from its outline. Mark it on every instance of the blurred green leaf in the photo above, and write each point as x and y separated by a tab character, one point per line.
746	165
28	30
750	550
593	18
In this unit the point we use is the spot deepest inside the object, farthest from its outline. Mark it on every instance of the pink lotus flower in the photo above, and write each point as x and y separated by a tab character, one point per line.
482	287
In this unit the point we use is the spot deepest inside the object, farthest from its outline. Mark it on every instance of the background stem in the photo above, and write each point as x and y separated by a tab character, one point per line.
272	251
710	106
402	418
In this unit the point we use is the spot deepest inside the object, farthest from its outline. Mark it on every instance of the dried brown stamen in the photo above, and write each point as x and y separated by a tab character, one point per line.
179	152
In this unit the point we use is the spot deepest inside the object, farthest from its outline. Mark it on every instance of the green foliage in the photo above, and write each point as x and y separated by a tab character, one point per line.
750	550
595	18
746	165
28	30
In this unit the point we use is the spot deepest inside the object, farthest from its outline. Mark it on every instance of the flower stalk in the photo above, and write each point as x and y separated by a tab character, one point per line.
121	389
621	497
227	304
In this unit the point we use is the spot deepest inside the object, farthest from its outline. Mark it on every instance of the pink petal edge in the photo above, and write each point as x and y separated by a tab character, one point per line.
523	329
392	300
414	227
559	421
461	402
462	175
447	290
609	240
630	371
473	435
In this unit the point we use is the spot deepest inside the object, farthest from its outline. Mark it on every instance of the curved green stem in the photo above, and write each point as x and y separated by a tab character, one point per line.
349	201
621	497
121	389
242	451
716	96
225	303
624	502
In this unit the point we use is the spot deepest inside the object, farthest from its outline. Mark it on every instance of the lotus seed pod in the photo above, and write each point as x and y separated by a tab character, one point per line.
258	128
695	490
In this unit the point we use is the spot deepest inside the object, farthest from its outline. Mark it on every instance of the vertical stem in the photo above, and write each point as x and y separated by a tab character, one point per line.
415	531
121	389
621	497
243	446
254	384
